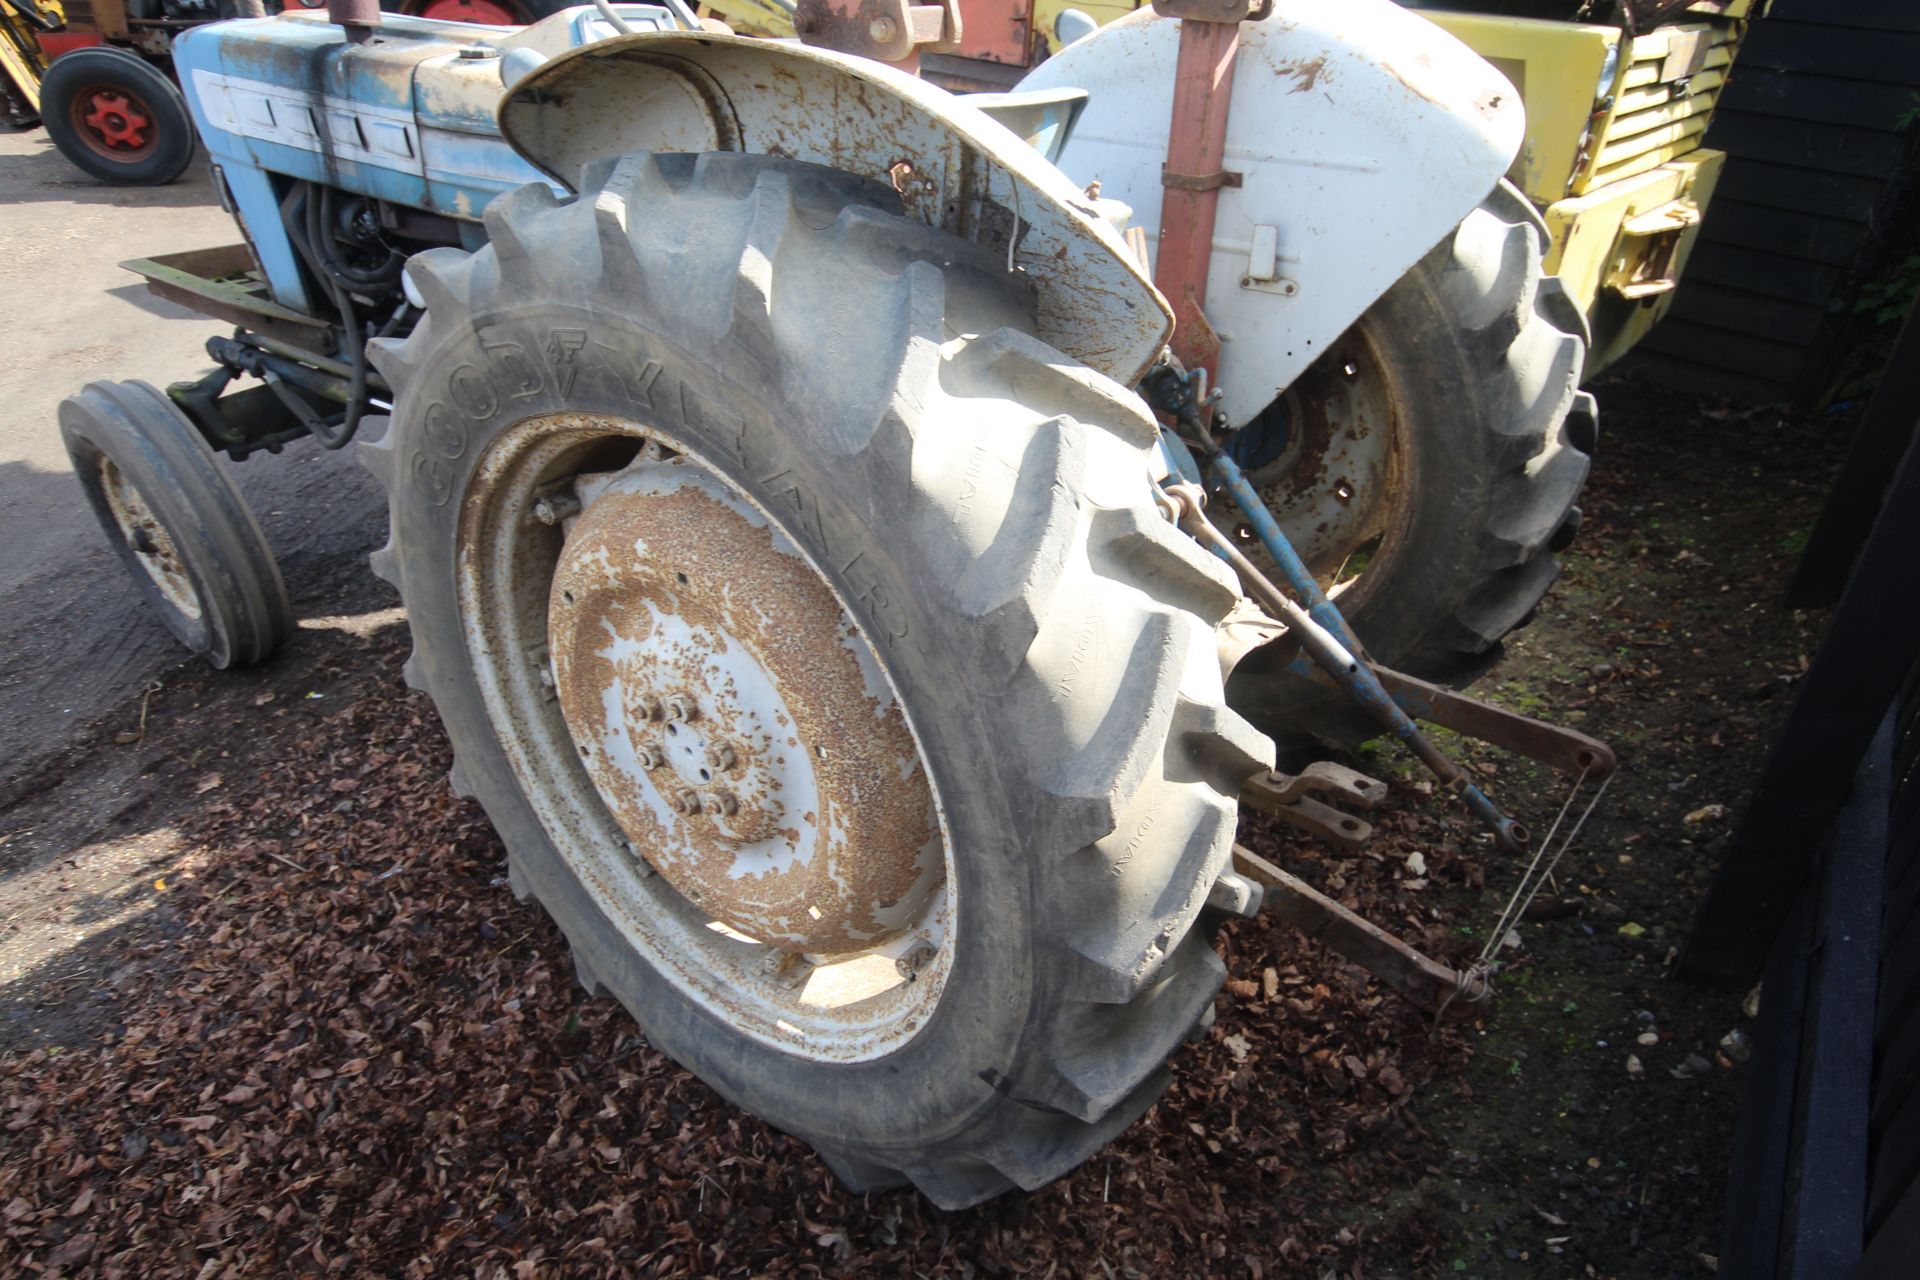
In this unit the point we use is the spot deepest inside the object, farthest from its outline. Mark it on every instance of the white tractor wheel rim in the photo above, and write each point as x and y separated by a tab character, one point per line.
149	540
708	737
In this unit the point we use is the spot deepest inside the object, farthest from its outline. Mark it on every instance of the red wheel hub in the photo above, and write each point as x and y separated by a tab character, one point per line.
116	123
486	12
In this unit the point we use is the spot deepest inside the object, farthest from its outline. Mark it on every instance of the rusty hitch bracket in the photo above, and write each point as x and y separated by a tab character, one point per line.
1416	977
1200	181
1567	750
1296	799
1195	169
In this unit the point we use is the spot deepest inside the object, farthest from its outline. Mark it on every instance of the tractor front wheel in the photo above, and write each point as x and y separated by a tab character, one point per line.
177	522
118	117
809	632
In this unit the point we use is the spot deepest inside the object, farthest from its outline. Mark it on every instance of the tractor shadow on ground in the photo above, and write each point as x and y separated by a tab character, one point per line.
33	170
137	294
93	858
80	646
68	999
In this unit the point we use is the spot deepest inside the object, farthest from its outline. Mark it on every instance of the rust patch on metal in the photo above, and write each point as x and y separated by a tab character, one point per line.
735	721
1343	475
1305	73
149	540
1422	61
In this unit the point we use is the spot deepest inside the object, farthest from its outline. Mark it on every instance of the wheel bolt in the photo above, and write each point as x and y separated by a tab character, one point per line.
647	708
721	802
640	863
909	965
556	507
785	967
650	756
721	755
681	707
686	801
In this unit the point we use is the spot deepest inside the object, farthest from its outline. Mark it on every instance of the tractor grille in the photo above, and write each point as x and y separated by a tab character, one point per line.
1665	99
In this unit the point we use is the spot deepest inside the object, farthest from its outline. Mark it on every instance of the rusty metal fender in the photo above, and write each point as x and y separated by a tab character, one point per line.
955	168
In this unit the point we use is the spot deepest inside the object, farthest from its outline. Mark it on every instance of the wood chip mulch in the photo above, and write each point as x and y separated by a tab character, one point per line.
356	1055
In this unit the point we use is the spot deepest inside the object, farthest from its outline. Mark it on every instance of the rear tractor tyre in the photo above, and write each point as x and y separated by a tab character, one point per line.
177	521
809	634
1431	464
117	116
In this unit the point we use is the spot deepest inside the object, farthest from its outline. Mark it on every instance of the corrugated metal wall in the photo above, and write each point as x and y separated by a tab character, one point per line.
1818	167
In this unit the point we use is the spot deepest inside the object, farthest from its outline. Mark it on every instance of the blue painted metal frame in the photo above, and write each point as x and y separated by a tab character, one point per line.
336	83
311	101
1353	674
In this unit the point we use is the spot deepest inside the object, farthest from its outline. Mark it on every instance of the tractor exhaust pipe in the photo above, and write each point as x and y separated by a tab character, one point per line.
359	17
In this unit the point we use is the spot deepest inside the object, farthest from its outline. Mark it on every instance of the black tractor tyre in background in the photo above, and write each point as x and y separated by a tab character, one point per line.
984	509
177	522
1483	355
118	117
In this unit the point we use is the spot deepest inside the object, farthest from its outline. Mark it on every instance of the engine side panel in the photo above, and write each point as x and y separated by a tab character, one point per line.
1363	135
403	117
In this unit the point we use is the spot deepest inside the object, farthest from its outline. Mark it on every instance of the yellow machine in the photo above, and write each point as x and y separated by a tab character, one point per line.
1613	157
22	62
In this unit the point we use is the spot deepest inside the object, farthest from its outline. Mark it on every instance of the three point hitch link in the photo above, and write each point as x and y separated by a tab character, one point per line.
1332	656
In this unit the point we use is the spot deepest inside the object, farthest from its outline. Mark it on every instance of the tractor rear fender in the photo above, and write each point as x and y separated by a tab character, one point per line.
955	168
1361	135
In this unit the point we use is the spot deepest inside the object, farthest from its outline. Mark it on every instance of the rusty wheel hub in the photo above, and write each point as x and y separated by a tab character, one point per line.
152	545
1339	485
734	720
114	122
709	742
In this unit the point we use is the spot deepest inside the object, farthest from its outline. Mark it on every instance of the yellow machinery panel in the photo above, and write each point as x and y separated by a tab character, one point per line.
750	17
1613	153
1564	73
1620	249
1667	91
21	61
1047	12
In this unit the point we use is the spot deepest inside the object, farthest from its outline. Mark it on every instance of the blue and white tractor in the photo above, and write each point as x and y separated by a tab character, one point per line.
864	543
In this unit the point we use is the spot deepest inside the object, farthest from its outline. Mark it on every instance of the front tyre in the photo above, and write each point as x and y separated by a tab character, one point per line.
177	521
808	631
118	117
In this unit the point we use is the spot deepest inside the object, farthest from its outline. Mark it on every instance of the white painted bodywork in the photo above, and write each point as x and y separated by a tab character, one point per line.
1364	134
